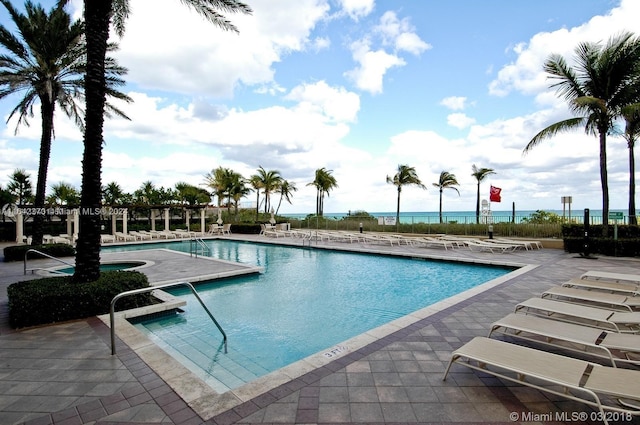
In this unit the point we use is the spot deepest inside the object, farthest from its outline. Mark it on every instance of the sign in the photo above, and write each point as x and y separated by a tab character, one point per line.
616	215
386	221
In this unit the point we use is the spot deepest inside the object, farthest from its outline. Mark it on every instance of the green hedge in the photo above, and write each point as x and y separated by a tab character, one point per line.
626	245
16	252
245	229
57	299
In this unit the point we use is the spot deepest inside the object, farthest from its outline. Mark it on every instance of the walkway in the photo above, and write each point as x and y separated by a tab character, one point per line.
64	374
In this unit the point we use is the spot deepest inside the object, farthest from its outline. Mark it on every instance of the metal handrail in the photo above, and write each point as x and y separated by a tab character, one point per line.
153	288
200	242
44	255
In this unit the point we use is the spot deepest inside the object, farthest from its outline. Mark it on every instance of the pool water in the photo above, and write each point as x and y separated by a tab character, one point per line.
306	301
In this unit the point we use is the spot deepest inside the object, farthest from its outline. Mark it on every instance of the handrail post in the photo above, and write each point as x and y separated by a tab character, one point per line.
26	254
150	289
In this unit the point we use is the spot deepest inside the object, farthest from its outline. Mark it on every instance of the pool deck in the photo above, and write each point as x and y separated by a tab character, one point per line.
65	373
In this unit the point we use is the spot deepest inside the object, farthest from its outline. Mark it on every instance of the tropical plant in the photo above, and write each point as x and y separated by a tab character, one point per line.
446	181
270	182
6	198
324	182
63	194
286	190
216	181
237	190
112	194
603	81
20	186
191	195
404	177
479	173
46	62
256	184
98	16
631	116
542	217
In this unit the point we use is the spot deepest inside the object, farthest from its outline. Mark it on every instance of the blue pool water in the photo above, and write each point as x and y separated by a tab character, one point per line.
307	300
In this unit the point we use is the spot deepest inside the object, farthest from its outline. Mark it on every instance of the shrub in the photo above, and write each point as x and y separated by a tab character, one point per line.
245	229
16	252
57	299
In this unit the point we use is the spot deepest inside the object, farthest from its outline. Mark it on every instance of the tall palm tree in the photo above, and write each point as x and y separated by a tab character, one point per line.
324	182
603	81
286	190
20	186
270	181
63	194
404	177
46	62
256	184
215	180
479	174
238	189
113	194
446	181
97	15
631	116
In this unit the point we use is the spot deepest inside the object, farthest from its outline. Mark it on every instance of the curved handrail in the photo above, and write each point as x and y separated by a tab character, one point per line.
44	255
153	288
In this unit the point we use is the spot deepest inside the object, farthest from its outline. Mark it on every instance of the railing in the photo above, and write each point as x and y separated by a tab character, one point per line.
153	288
197	242
44	255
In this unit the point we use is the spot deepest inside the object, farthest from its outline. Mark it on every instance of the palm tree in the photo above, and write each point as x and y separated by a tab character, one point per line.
631	116
479	174
256	184
113	194
604	80
20	186
46	62
286	190
324	182
63	194
238	189
405	176
215	180
97	15
446	181
270	181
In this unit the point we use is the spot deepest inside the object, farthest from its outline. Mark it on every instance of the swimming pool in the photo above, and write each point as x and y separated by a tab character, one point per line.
306	301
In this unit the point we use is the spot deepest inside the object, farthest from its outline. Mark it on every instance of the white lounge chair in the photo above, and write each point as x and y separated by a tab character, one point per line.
120	236
616	348
604	286
617	321
593	298
107	238
574	379
487	246
141	236
612	277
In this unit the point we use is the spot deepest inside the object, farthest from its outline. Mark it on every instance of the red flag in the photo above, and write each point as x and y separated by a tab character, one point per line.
494	194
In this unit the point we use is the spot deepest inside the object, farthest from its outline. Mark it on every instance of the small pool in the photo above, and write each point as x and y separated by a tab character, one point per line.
306	301
121	265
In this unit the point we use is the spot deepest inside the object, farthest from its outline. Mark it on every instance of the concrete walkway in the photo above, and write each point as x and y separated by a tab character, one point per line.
65	374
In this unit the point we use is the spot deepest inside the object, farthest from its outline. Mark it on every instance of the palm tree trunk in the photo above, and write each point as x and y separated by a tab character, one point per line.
478	204
257	203
97	15
46	111
632	183
398	209
604	182
440	205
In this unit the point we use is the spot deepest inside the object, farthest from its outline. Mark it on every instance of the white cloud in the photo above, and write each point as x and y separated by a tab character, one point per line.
400	34
455	103
373	65
207	60
336	103
357	9
460	120
526	75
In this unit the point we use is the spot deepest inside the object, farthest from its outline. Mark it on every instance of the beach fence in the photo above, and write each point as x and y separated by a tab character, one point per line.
505	225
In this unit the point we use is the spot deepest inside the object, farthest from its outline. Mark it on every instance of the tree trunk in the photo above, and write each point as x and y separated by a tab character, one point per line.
632	183
398	208
604	182
97	15
440	205
478	204
46	112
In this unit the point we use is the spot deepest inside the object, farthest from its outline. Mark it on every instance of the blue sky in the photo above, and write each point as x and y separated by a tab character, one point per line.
358	87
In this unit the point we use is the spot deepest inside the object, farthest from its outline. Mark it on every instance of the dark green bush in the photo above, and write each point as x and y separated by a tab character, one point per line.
16	252
245	228
57	299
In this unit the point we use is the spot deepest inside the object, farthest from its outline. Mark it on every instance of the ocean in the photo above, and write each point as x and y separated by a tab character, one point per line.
464	216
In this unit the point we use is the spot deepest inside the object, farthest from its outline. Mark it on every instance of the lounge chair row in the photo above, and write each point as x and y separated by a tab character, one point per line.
590	325
143	235
447	242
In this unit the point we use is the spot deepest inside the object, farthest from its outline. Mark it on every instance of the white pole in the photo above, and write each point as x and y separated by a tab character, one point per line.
166	219
19	227
124	221
202	221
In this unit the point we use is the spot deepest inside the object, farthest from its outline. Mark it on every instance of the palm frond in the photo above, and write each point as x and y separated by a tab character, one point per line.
552	130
